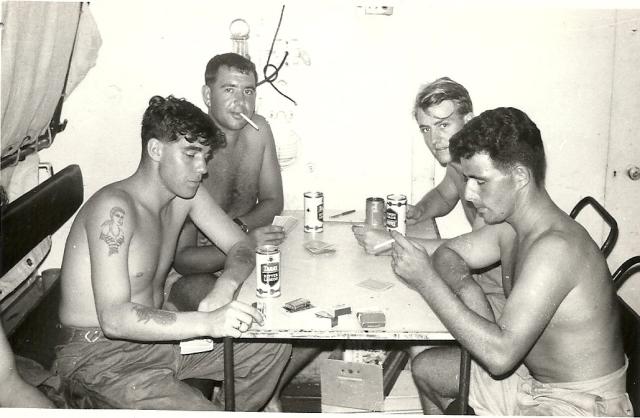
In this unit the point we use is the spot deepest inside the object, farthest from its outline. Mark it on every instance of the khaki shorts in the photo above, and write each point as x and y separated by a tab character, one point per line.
521	394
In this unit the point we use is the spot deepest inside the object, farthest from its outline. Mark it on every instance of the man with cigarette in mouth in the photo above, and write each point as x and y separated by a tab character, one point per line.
244	177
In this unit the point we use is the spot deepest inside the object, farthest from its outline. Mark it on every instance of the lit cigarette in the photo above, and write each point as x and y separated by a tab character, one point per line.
383	244
249	121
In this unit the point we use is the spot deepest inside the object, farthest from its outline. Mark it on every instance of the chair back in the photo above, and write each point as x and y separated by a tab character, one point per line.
608	244
630	332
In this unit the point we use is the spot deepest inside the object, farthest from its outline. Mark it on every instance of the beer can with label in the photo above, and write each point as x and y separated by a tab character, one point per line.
268	271
375	214
313	212
397	213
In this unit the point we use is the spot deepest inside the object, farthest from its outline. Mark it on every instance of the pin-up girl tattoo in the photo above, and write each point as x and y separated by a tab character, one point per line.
111	231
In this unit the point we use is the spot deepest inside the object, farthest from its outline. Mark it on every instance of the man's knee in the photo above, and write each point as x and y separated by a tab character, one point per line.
188	291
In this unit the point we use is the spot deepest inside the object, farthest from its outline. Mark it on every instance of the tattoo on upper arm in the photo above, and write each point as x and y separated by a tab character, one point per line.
111	231
146	314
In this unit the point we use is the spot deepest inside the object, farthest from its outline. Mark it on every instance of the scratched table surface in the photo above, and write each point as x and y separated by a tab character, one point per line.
332	279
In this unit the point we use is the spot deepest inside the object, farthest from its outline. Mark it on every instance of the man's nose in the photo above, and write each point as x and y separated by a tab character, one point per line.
469	193
201	166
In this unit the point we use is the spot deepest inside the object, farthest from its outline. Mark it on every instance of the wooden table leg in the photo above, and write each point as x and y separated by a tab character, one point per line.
465	375
229	377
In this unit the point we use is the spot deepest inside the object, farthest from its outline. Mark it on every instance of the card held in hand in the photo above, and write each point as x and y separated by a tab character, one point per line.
286	222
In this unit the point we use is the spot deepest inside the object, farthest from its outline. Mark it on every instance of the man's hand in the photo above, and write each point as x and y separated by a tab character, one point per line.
269	234
233	319
415	214
375	241
410	261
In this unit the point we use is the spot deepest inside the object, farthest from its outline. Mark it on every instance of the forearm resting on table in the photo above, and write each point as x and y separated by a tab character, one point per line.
195	260
239	264
133	321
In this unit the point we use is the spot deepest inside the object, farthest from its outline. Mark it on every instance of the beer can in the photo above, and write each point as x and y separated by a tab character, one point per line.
396	213
375	214
313	211
268	271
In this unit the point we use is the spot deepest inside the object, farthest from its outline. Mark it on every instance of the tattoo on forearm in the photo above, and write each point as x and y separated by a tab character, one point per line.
112	232
146	314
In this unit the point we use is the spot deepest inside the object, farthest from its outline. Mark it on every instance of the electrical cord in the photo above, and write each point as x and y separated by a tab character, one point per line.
270	78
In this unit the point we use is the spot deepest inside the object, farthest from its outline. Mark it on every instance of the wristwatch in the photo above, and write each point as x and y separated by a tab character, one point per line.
242	225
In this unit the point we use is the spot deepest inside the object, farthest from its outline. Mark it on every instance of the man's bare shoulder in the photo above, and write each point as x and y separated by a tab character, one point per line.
262	136
109	200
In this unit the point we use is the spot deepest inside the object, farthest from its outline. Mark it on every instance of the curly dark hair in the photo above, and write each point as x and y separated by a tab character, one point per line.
507	136
168	119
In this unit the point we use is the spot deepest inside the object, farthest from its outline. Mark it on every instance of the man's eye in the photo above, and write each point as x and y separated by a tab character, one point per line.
228	90
190	155
425	130
249	92
443	125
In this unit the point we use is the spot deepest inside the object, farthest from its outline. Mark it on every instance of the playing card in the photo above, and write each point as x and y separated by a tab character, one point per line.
286	222
319	247
373	284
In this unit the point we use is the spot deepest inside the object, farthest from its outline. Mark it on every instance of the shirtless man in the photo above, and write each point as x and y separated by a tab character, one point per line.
245	177
441	109
119	349
14	391
556	349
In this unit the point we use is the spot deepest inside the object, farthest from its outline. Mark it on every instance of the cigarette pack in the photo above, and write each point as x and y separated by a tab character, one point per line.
372	319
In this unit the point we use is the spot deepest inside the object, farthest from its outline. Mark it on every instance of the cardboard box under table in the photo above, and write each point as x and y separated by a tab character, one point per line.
351	386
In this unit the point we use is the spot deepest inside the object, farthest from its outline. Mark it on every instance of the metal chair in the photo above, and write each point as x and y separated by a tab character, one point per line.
630	331
608	244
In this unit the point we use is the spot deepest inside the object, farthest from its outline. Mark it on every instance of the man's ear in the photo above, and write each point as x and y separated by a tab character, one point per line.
522	176
154	149
206	95
466	118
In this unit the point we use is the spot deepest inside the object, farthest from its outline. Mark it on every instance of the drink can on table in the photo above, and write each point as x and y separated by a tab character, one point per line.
267	271
313	211
375	214
397	213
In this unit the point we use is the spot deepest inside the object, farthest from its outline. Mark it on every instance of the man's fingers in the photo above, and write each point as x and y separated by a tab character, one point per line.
400	240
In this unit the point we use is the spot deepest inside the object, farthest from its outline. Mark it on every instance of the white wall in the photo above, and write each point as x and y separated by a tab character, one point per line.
354	99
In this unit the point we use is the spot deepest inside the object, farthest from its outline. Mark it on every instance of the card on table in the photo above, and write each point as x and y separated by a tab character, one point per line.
373	284
286	222
319	247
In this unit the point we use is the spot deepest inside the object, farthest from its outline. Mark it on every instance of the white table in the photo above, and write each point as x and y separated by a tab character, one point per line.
332	279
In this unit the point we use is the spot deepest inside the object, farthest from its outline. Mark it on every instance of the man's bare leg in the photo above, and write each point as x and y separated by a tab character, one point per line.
301	355
436	374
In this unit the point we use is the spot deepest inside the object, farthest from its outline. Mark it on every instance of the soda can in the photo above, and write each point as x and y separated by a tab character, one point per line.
267	271
313	212
375	214
396	213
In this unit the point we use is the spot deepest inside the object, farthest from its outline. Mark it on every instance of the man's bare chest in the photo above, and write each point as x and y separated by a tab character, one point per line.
233	180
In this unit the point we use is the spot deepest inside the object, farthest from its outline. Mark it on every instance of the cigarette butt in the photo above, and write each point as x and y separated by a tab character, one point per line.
383	244
249	121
